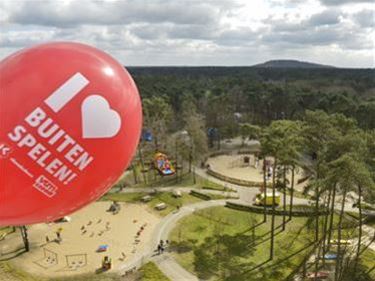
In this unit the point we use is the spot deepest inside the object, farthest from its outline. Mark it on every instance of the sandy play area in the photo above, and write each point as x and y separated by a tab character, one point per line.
234	166
81	237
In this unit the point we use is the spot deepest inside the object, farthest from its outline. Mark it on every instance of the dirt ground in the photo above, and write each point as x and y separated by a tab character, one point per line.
88	229
234	166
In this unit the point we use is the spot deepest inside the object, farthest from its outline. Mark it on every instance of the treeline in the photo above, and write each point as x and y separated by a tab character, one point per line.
228	96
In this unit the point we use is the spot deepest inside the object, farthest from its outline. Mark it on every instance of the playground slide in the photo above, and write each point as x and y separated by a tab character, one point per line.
163	165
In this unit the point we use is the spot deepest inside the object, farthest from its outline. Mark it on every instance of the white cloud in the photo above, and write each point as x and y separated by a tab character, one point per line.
198	32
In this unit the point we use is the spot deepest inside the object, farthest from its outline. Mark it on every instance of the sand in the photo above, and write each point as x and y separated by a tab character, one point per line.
88	228
234	166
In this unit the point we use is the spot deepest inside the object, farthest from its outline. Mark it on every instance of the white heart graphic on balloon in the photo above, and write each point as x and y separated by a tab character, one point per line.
98	119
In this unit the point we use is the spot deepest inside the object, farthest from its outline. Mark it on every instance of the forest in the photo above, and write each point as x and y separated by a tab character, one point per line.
228	96
320	119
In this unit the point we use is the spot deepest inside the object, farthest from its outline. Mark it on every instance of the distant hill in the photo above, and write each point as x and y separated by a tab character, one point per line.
290	64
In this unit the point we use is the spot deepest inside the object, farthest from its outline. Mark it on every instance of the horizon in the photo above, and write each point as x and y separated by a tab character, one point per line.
253	65
191	33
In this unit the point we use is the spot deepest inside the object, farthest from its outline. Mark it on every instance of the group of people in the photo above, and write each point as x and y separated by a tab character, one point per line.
139	232
162	246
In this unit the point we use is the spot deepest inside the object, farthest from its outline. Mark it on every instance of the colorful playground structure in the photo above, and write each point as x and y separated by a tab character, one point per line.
163	165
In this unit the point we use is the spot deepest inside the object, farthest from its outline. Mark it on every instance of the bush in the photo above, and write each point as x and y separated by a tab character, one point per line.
200	195
301	211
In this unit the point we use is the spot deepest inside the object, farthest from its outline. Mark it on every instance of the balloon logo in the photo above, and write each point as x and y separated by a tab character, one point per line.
70	121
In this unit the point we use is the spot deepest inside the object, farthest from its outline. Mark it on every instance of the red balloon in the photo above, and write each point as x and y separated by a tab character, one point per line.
70	121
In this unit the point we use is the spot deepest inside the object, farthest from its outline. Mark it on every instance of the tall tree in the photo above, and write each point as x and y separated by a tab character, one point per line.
157	115
272	142
290	156
195	126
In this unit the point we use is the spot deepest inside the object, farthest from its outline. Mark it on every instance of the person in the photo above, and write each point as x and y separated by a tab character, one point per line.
159	249
106	263
58	235
269	174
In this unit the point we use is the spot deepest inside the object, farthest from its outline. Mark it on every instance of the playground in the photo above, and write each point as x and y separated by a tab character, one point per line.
249	168
80	245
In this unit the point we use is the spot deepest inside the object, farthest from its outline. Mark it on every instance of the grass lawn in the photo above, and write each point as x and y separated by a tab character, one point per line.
8	270
160	197
298	194
367	260
155	180
91	277
5	230
150	272
221	244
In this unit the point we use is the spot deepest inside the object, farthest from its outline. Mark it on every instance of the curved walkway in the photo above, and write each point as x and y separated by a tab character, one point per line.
166	262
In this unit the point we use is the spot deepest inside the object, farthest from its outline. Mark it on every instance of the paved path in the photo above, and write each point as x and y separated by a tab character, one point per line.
168	265
166	262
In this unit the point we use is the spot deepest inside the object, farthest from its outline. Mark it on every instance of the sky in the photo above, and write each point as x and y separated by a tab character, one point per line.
198	32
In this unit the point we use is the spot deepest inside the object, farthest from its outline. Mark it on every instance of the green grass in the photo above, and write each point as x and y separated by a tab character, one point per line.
155	180
171	202
367	260
207	184
160	197
4	230
9	270
367	207
298	194
150	272
220	244
124	197
12	271
90	277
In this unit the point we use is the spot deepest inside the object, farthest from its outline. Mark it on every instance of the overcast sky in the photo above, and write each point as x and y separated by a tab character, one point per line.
199	32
